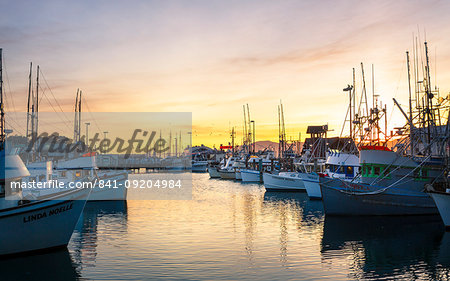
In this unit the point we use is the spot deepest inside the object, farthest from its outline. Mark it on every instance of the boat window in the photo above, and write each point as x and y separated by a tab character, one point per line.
376	171
349	170
63	174
78	174
86	172
341	169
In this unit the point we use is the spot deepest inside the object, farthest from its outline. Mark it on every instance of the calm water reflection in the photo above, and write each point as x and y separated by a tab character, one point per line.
51	266
400	247
238	231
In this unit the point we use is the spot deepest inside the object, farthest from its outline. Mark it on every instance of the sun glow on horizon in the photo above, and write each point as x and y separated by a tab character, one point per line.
210	58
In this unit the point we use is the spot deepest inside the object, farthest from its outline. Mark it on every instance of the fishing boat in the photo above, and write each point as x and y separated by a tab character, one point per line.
227	172
283	181
341	160
199	162
43	224
200	156
259	165
389	186
393	180
339	165
312	160
213	171
32	225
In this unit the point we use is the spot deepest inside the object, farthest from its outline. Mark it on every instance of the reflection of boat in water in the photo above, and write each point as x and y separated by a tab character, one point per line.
311	210
56	265
96	216
443	257
383	246
106	208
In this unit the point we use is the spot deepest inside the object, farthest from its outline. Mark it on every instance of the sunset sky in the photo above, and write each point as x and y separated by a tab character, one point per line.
212	57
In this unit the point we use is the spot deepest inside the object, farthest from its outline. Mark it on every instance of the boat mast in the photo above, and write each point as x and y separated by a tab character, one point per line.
79	117
29	100
362	101
2	110
352	106
232	140
429	98
411	135
280	152
75	121
37	101
170	143
283	130
245	138
249	128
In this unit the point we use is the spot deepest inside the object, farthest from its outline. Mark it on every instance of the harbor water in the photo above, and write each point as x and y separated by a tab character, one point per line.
235	231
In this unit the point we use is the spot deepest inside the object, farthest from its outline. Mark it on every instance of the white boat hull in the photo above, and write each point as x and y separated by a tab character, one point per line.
115	191
284	181
227	174
250	176
41	225
199	166
442	201
312	185
213	172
